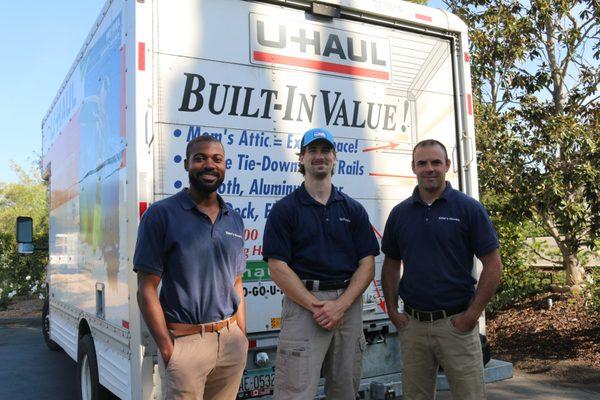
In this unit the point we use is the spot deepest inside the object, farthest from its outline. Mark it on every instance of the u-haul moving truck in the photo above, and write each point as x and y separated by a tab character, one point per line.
153	74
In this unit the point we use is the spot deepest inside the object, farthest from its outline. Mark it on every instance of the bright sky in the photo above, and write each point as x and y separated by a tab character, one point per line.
40	40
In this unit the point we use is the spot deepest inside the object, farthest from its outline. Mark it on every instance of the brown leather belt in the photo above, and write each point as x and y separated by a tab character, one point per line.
178	329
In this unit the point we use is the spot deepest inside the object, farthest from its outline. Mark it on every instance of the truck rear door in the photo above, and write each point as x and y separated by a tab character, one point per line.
257	76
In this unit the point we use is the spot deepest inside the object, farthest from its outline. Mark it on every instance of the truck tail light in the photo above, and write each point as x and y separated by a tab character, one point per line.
143	206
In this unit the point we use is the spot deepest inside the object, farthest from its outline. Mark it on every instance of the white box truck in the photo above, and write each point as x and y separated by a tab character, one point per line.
153	74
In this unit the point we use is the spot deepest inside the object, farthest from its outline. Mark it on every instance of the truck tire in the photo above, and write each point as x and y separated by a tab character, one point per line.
52	345
88	384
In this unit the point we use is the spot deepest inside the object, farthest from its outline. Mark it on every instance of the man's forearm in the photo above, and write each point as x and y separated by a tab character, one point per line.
360	281
390	278
154	317
487	285
241	310
290	284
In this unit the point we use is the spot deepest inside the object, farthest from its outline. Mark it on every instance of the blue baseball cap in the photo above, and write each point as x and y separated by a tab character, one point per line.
317	134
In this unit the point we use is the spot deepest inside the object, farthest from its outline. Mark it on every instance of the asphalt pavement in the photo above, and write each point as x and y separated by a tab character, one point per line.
525	386
28	370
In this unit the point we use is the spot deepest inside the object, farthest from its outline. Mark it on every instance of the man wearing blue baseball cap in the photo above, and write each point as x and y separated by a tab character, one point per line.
320	248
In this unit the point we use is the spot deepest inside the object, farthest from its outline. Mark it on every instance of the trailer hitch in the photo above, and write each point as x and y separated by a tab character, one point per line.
377	332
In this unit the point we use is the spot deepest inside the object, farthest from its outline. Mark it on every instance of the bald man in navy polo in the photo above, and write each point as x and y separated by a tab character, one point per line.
435	234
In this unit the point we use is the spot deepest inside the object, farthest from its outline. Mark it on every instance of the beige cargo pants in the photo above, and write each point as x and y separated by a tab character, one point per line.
426	345
305	348
205	366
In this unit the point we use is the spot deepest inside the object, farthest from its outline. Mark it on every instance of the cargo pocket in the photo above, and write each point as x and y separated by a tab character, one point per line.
292	364
361	345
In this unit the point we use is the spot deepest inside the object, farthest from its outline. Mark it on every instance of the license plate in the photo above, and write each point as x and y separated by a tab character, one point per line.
257	382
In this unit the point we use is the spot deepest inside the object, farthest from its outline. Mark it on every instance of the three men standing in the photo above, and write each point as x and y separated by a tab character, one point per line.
193	243
435	233
320	248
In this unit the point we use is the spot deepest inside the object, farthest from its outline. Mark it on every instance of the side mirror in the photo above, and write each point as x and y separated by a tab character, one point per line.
25	235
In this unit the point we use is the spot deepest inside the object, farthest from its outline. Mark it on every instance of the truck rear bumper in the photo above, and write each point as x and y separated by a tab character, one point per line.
390	386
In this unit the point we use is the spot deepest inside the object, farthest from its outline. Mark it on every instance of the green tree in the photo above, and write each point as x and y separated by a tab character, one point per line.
536	78
22	274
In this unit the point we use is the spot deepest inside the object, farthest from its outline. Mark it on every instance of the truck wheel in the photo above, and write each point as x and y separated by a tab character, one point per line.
52	345
88	385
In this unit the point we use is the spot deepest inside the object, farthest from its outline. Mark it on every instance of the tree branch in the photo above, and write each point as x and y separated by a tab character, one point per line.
551	229
591	101
540	255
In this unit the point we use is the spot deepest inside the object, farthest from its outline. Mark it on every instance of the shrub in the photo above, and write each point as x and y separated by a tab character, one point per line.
22	274
592	292
519	279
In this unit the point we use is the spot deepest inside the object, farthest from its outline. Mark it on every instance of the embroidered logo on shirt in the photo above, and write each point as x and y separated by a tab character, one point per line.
449	219
234	234
345	219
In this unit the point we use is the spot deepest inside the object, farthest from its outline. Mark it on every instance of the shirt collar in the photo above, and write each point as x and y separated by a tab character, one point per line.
186	202
446	194
307	199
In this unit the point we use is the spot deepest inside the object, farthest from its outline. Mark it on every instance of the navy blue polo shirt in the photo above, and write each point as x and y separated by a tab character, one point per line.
197	261
322	242
436	244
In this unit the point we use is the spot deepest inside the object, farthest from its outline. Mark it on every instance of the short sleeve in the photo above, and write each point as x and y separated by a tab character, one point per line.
149	255
389	243
277	239
364	238
482	234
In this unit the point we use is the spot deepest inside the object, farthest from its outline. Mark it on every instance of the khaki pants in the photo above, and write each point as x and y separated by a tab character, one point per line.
304	348
426	345
205	366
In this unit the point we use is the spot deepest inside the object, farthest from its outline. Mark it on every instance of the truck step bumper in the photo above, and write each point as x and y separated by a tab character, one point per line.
390	386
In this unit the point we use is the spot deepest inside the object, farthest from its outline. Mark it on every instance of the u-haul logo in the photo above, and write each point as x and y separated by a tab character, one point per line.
317	48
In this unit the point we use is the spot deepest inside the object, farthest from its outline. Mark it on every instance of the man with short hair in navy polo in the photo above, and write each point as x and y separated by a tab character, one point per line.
320	248
193	243
435	233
